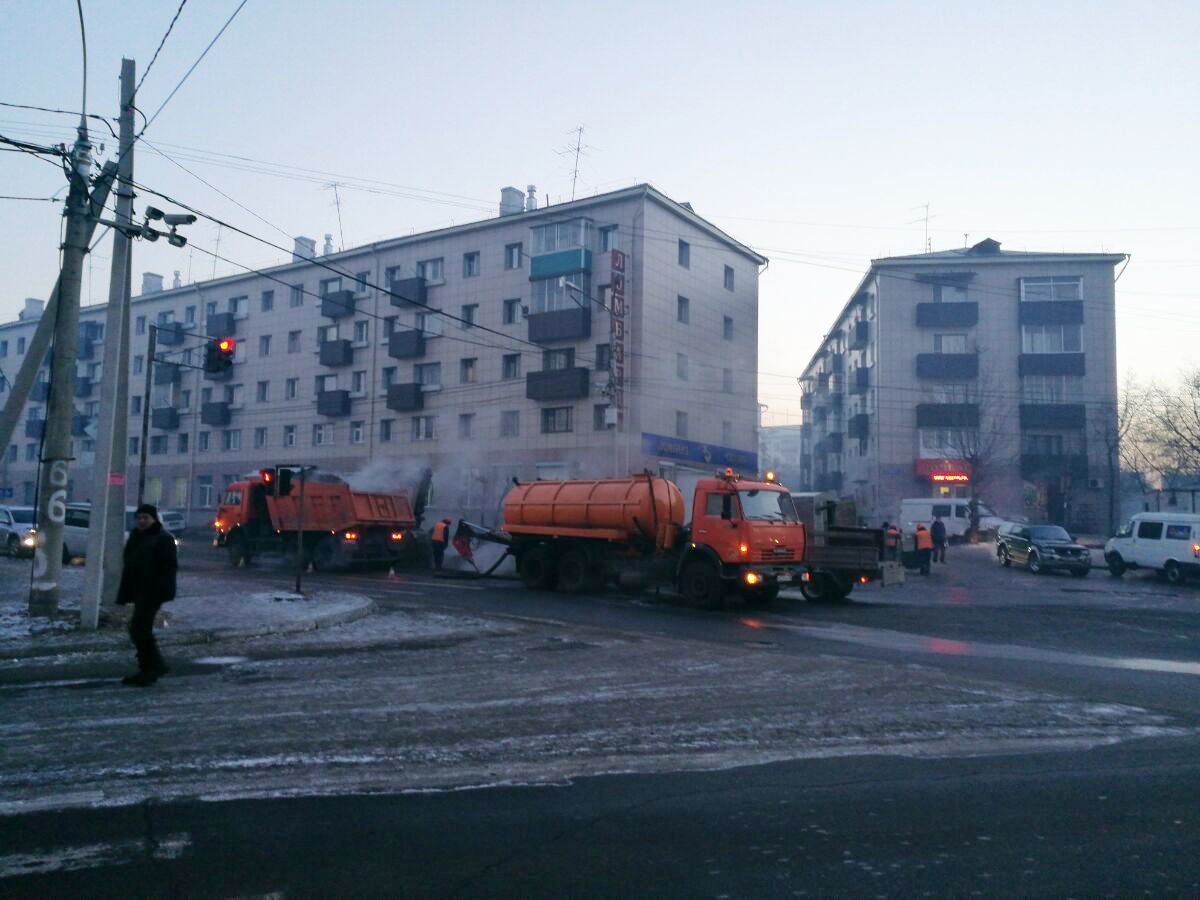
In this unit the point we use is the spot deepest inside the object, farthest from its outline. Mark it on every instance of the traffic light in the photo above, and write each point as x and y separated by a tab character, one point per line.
268	477
283	481
218	356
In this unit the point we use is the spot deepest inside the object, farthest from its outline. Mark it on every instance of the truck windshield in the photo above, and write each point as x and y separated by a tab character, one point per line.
775	506
232	498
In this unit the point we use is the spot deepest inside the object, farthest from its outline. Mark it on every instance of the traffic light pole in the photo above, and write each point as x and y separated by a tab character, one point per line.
300	531
149	386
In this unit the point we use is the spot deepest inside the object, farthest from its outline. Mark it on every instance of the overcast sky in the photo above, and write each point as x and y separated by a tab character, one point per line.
815	134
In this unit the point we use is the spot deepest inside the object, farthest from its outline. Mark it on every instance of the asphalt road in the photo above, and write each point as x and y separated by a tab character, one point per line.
979	732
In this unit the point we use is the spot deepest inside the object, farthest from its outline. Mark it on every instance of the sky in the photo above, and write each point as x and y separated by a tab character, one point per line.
816	133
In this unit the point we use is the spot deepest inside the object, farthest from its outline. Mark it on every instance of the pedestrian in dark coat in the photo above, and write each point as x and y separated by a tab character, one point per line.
937	531
147	581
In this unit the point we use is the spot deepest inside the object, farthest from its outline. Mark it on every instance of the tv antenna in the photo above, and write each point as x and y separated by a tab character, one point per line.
925	218
577	151
337	201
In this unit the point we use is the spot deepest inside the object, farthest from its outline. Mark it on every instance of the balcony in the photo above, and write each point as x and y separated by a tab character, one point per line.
947	365
221	325
35	428
167	373
558	384
1053	465
333	403
338	304
833	442
40	392
1053	415
860	335
836	402
215	413
806	401
947	415
170	334
83	387
823	383
165	418
226	375
1051	364
860	381
947	315
560	325
337	353
837	363
90	331
79	425
858	427
407	292
405	397
562	262
1051	312
860	299
829	481
406	344
85	349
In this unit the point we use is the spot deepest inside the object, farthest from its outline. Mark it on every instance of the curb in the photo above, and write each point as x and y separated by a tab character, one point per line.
118	640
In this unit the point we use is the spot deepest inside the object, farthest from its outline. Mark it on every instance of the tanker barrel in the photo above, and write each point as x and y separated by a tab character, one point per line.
467	529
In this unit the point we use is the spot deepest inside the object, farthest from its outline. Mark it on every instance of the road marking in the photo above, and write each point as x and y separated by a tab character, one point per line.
92	856
900	640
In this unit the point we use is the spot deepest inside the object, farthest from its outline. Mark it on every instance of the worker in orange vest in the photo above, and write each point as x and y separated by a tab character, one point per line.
924	548
439	537
891	541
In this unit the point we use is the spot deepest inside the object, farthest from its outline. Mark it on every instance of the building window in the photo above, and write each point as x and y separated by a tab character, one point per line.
327	286
30	452
727	433
294	341
729	278
727	381
469	311
1052	288
358	382
139	325
202	441
727	328
388	377
471	264
1051	338
189	315
264	345
361	331
183	442
949	343
562	236
608	238
466	370
945	443
289	435
685	254
205	492
681	367
210	308
430	270
680	424
510	366
3	348
135	405
556	420
296	296
262	393
291	389
510	423
567	292
1068	443
134	446
266	301
1052	389
322	434
357	433
682	311
603	357
239	306
513	256
949	293
139	364
385	431
322	383
431	323
428	375
600	417
512	311
231	439
424	428
20	345
556	360
466	426
327	333
360	282
260	438
389	326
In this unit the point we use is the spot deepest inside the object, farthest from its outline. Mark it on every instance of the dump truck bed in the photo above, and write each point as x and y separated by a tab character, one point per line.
333	507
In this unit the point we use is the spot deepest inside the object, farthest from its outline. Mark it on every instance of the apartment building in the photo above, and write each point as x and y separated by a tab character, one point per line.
586	339
971	372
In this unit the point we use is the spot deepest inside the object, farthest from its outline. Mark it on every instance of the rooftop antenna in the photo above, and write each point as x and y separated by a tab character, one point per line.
925	218
337	201
216	250
577	151
966	239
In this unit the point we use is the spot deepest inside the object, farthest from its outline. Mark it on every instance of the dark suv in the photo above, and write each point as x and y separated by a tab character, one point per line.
1041	548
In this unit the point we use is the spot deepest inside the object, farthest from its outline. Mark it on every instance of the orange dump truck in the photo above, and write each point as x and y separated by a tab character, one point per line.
578	535
340	525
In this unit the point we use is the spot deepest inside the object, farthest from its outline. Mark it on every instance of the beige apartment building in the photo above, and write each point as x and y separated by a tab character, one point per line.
586	339
970	372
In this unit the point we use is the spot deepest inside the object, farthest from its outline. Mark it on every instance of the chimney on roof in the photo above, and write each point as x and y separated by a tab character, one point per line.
986	247
33	309
304	248
512	201
175	282
328	248
151	283
531	200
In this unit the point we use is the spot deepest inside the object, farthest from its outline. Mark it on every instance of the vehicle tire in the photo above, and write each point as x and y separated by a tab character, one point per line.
824	588
701	585
1005	559
12	547
1173	573
1116	565
239	552
1035	563
573	572
537	568
1080	573
844	587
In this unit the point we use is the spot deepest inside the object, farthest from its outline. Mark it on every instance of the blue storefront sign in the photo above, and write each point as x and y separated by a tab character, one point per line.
665	447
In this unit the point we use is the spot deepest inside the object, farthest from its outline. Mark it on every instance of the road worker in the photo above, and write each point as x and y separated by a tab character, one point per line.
924	548
439	537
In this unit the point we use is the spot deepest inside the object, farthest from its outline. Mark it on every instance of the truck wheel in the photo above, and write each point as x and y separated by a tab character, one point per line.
823	588
701	585
238	554
324	555
574	572
1116	565
537	569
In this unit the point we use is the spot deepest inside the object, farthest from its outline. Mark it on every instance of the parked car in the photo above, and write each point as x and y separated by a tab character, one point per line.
17	532
1042	548
75	528
1169	543
955	513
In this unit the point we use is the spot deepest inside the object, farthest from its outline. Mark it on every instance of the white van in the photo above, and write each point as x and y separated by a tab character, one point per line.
955	513
1169	543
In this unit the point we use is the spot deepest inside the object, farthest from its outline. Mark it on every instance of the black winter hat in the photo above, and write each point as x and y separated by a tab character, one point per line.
149	509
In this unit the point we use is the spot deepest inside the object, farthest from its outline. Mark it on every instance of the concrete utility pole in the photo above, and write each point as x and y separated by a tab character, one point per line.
56	460
152	349
107	525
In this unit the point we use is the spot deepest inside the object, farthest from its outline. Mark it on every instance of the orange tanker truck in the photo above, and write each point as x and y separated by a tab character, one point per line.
576	536
340	526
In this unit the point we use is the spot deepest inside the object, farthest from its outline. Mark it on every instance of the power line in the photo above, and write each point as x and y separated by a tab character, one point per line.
167	34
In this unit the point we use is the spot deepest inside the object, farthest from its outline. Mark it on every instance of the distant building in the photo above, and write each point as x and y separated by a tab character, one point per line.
973	365
780	448
588	339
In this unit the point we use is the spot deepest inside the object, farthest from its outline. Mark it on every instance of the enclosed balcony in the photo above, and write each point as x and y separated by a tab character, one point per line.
408	291
338	304
35	428
558	384
560	325
333	403
947	415
221	325
167	373
860	381
215	413
1050	312
860	335
407	344
1053	415
1051	364
405	397
40	392
947	365
829	481
337	353
561	262
165	418
170	334
947	315
85	350
858	426
1036	466
79	425
83	387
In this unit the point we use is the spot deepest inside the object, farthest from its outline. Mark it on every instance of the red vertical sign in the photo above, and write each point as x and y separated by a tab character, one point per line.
617	339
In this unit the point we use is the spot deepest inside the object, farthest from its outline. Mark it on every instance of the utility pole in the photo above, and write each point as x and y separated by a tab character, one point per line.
56	461
107	524
149	386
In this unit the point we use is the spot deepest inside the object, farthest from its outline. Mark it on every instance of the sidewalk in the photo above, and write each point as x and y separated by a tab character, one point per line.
206	609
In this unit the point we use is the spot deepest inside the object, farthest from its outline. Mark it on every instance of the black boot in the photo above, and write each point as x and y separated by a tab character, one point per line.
139	679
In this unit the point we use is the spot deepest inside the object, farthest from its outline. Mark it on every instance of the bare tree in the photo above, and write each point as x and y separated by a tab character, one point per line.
1174	425
1121	430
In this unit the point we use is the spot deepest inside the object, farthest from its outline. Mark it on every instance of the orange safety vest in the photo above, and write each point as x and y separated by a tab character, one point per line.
892	537
438	534
924	539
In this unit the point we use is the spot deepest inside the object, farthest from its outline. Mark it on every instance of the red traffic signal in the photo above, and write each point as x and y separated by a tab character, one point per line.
267	476
225	345
218	356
